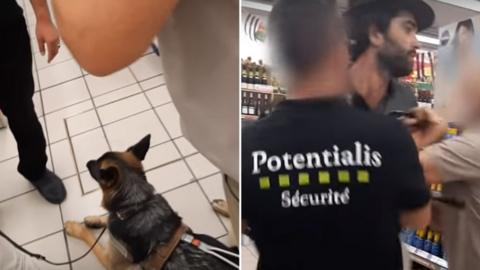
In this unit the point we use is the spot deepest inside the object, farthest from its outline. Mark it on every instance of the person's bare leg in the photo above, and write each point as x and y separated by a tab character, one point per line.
81	232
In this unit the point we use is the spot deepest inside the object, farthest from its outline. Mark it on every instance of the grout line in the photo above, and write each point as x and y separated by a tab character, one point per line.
57	84
152	87
40	238
73	156
69	257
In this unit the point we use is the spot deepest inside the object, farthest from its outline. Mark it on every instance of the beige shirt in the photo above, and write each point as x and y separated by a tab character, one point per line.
458	161
199	48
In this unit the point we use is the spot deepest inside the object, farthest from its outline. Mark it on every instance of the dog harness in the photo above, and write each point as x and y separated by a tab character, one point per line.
159	255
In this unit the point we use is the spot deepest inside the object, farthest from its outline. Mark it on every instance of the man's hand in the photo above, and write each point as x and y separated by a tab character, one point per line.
426	126
47	36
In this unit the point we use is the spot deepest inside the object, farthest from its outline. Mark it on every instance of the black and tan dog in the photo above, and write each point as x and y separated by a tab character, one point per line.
145	233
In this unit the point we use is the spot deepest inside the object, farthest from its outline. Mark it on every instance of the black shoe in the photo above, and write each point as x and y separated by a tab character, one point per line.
51	187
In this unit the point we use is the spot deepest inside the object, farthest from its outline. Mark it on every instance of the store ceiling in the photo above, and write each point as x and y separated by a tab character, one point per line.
445	13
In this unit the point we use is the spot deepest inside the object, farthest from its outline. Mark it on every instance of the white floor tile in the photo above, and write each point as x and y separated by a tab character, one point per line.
227	241
249	261
153	82
37	102
35	81
160	154
124	133
12	182
201	167
213	187
170	118
64	95
62	158
55	121
102	85
53	248
7	144
117	95
82	122
123	108
185	147
59	73
159	96
88	183
62	56
28	217
77	248
169	176
147	67
77	206
196	210
88	146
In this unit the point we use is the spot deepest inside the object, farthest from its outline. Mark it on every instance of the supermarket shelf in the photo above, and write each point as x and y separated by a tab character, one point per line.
426	259
249	117
257	91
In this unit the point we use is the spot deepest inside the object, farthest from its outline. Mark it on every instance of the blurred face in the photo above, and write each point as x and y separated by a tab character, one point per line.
399	46
465	36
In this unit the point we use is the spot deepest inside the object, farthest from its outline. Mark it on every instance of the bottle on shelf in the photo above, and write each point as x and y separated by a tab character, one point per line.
252	104
436	245
244	75
419	239
427	246
244	102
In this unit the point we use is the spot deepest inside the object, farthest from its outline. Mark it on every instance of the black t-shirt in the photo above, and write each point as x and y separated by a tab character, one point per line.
324	184
10	11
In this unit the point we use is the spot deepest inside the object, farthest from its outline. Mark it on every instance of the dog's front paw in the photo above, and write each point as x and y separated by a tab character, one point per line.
95	222
75	229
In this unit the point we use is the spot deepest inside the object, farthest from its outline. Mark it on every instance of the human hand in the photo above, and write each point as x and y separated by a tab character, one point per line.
426	126
47	35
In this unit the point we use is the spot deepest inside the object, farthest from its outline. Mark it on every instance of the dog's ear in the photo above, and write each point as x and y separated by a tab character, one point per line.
141	148
109	176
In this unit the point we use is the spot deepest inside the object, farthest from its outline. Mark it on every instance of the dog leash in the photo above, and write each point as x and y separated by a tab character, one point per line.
214	251
42	258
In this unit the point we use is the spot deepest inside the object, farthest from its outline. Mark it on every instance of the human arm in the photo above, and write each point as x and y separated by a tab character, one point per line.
46	32
105	36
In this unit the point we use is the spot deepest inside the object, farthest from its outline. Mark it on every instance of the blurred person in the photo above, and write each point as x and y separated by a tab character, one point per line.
323	185
455	163
13	259
464	35
199	50
384	44
17	91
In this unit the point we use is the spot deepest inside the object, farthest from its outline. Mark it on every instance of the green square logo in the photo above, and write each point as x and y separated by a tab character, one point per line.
303	179
264	182
284	180
324	177
344	176
363	176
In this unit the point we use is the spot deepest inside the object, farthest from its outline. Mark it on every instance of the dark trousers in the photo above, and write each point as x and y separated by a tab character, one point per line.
16	92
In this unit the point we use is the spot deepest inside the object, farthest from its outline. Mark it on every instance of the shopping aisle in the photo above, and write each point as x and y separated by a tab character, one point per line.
83	116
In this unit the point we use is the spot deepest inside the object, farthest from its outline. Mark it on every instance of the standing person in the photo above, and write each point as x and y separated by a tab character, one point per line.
383	47
17	91
323	186
199	48
455	163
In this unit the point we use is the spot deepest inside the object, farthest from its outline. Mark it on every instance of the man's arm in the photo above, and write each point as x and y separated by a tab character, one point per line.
45	30
418	218
105	36
430	170
410	189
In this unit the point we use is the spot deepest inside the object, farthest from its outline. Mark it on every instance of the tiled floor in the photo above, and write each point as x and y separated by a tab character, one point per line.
84	116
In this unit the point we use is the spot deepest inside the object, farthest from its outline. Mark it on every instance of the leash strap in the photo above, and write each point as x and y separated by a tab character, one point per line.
214	251
42	258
